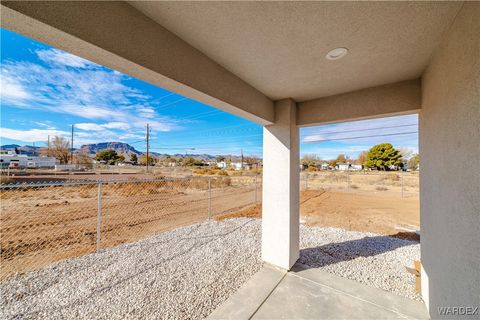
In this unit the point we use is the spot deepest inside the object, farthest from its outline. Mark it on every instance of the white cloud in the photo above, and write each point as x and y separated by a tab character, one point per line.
54	56
11	90
100	127
116	125
74	86
32	135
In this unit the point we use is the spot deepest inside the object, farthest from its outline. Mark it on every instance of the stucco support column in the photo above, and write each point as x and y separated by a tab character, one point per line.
281	174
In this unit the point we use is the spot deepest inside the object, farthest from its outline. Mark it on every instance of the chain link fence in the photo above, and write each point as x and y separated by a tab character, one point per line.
41	223
403	184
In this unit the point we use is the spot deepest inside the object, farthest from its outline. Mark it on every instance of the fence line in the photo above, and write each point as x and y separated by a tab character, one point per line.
389	181
50	221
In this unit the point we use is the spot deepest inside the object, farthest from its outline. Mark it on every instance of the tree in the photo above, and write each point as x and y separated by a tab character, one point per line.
108	155
383	157
121	158
83	159
133	158
341	158
219	158
151	160
191	162
414	162
310	161
362	157
59	147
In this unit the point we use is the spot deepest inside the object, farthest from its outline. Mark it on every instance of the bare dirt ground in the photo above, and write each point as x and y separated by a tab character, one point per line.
382	214
44	225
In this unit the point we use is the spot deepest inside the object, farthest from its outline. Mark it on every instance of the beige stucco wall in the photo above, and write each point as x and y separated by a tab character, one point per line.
281	181
450	168
387	100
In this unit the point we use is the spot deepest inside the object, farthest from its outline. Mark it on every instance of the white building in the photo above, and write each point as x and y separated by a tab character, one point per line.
222	165
324	166
12	159
356	167
238	166
342	166
348	167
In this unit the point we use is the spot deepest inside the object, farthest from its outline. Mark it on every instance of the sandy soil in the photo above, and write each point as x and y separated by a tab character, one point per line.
382	214
41	226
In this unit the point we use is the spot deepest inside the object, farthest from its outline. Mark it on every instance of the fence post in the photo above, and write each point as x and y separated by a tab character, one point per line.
348	181
209	198
99	213
401	178
256	199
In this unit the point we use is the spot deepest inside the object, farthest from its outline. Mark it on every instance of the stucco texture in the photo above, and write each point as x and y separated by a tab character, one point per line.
450	162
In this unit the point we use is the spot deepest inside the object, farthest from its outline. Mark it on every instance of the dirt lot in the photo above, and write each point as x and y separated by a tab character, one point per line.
45	224
383	214
42	225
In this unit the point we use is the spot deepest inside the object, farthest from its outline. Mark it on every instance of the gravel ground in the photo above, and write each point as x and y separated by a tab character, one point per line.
188	272
376	260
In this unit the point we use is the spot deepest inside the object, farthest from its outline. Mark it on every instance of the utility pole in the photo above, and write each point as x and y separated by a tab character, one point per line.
48	143
71	147
148	129
241	161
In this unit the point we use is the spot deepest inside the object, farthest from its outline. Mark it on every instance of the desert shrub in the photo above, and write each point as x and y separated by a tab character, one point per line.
255	171
222	173
354	186
6	180
200	171
381	188
392	177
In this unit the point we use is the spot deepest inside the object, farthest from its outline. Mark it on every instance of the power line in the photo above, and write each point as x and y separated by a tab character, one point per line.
369	129
167	95
168	105
371	136
203	115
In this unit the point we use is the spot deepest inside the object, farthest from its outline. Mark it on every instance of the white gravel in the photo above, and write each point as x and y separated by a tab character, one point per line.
188	272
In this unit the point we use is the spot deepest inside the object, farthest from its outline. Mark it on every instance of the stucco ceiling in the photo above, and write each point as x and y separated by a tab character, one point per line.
280	47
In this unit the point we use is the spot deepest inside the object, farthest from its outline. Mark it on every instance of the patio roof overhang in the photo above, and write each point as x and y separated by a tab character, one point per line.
240	57
266	62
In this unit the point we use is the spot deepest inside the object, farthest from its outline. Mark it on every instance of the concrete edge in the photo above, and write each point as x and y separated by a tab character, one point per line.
251	295
387	300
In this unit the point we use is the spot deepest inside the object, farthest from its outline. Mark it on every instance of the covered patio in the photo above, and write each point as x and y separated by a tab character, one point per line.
288	65
306	293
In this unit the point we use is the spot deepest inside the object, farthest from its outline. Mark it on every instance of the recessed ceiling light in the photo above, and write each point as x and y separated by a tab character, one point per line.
336	53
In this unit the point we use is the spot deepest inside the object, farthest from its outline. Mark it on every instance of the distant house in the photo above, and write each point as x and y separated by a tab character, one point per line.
13	160
356	167
342	166
348	167
222	165
239	166
324	166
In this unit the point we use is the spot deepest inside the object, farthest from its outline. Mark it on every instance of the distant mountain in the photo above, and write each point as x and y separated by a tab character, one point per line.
119	147
27	150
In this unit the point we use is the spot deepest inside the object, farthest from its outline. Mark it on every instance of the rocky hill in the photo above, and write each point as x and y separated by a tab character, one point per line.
27	150
119	147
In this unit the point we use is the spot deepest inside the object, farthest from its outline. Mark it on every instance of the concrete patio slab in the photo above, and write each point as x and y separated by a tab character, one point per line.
246	301
305	293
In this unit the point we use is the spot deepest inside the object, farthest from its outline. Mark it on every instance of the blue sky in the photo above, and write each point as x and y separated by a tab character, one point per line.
45	90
